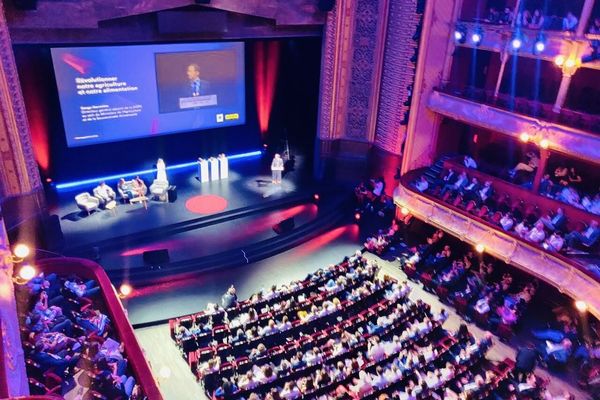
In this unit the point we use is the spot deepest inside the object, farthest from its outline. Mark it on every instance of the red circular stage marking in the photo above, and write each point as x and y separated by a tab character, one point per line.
206	204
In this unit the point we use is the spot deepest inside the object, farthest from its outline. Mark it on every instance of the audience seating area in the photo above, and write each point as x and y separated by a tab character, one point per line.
513	209
345	332
76	337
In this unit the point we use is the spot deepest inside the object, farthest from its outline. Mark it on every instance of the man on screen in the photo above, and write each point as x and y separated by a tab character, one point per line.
197	86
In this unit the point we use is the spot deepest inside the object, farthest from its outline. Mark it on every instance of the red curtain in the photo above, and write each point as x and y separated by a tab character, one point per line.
266	66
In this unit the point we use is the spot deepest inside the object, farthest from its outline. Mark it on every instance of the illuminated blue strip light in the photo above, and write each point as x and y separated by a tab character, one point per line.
85	182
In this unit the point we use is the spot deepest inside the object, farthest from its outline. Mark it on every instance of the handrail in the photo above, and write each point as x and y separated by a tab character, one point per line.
88	269
555	269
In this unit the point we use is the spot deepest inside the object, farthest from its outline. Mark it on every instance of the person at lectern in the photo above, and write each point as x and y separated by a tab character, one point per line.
277	168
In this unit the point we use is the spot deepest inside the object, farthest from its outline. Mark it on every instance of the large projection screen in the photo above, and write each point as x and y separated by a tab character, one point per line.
114	93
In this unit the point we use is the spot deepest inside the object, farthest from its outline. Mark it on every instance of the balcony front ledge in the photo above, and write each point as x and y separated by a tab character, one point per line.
567	278
567	140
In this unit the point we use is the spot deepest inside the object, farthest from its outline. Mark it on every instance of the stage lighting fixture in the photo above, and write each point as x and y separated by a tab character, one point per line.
540	44
524	137
476	38
544	143
581	306
316	196
480	248
460	35
404	211
21	251
570	63
27	272
516	43
357	216
559	60
125	290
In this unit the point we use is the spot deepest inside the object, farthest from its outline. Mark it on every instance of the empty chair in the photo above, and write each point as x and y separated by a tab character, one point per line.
86	202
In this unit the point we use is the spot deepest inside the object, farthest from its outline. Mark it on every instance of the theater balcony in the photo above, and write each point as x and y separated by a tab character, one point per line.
84	379
569	132
479	227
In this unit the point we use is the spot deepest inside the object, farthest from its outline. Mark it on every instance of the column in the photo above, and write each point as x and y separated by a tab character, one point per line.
562	91
18	169
539	174
14	362
503	59
586	11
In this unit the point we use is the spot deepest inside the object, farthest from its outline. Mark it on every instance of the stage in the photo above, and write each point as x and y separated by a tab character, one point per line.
242	208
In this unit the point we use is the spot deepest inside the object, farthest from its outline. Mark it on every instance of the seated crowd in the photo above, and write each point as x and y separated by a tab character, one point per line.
512	215
371	197
533	18
564	186
474	286
487	292
70	344
344	332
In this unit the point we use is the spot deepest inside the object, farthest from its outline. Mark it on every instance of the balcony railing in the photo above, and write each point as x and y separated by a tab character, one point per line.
555	269
536	109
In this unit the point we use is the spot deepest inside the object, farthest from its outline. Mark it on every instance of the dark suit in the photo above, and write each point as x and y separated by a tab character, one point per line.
525	362
557	222
574	238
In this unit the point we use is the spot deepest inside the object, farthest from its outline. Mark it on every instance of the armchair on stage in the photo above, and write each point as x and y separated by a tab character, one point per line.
87	202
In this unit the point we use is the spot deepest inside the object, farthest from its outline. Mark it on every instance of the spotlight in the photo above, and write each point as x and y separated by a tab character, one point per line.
476	38
460	34
27	272
559	60
524	137
48	180
544	143
581	306
570	63
316	196
21	251
539	47
516	43
125	290
479	248
404	211
357	216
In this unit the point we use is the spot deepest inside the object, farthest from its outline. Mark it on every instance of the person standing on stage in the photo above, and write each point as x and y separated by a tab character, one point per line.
277	168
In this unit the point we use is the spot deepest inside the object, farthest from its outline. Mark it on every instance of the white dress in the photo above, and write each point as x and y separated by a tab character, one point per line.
161	170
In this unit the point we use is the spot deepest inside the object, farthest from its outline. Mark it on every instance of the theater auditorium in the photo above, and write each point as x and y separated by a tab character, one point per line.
300	199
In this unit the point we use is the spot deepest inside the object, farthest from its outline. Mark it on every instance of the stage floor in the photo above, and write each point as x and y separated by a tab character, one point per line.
249	184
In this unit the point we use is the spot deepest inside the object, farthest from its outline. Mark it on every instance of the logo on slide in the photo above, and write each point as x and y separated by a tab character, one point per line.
219	117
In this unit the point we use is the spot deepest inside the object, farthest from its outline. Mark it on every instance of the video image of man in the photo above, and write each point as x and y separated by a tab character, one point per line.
190	81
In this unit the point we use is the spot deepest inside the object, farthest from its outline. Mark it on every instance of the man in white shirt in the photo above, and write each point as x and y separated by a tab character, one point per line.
470	162
104	192
537	234
422	184
507	222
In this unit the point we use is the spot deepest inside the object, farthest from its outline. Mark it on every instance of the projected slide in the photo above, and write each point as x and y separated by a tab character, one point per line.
125	92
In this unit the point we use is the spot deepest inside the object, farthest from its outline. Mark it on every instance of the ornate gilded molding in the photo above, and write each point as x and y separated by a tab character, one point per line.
19	169
562	138
398	74
568	278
